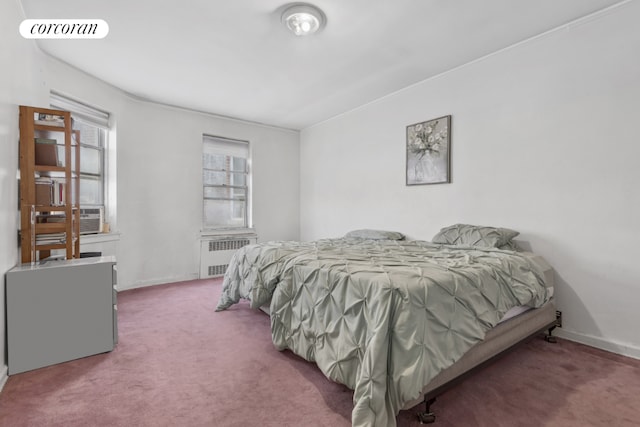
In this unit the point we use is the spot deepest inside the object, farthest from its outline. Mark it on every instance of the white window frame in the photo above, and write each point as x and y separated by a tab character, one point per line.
99	118
235	146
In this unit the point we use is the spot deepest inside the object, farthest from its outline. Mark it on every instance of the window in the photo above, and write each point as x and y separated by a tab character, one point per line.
225	181
93	125
92	164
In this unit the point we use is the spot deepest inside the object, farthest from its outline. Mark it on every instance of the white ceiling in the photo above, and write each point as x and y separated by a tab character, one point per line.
234	58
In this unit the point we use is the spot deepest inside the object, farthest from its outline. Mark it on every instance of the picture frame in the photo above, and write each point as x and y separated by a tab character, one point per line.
429	152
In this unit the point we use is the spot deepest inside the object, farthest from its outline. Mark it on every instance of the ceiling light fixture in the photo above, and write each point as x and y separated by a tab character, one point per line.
303	19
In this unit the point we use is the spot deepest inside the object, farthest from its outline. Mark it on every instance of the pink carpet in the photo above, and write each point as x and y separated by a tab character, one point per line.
179	363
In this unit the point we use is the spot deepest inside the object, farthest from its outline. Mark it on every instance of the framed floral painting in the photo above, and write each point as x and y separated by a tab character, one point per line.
429	152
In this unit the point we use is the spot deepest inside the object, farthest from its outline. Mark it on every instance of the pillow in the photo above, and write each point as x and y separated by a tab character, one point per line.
475	235
374	234
510	246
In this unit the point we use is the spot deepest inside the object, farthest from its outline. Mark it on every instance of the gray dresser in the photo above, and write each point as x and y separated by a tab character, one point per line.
60	310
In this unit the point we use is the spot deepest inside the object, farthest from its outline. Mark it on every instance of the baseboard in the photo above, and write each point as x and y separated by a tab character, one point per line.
153	282
597	342
3	376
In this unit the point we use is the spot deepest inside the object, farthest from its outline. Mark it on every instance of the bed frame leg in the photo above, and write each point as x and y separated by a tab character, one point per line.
550	338
427	417
558	324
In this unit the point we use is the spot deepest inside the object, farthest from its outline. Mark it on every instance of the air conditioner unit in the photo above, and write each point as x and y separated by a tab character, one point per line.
91	220
216	252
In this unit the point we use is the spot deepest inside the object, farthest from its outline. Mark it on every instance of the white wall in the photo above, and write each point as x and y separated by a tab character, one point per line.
159	160
21	77
545	141
160	207
158	174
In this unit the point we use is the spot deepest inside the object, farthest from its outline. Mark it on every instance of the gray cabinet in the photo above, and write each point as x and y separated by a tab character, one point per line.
60	310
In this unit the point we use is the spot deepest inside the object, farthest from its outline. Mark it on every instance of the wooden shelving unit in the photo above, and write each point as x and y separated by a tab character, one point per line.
49	184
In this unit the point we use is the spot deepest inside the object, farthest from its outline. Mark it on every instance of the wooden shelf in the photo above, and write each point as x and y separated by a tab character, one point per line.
51	247
50	208
44	168
64	181
51	227
48	128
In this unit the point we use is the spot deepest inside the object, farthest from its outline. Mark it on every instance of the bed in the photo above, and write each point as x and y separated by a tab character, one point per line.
395	320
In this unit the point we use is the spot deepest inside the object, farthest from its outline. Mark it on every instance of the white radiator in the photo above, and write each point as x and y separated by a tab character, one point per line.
216	252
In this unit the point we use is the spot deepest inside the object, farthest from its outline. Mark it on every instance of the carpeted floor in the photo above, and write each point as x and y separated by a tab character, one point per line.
179	363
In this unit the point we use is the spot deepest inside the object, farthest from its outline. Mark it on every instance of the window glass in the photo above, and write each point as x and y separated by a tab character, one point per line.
90	191
225	179
91	125
91	160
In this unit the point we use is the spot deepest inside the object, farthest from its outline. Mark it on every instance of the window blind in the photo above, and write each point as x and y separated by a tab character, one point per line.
225	146
81	111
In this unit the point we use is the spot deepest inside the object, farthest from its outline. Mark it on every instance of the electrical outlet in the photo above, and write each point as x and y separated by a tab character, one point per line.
558	318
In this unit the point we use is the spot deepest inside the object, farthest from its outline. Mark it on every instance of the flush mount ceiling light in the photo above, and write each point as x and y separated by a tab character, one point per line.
303	19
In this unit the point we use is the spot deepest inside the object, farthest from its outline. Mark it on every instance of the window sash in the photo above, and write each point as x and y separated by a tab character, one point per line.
224	179
98	119
88	197
217	192
97	199
225	188
100	153
225	214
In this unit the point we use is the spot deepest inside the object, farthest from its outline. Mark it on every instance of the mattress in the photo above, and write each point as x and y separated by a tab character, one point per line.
518	310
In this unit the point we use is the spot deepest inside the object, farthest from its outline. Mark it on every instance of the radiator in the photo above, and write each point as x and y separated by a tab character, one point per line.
216	252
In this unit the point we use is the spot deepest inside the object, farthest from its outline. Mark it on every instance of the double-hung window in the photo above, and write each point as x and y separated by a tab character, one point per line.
92	126
225	181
